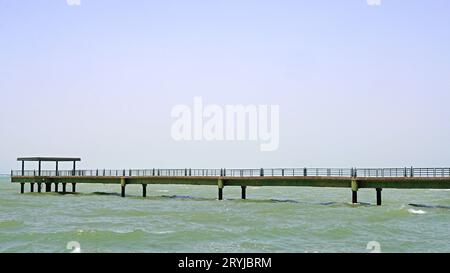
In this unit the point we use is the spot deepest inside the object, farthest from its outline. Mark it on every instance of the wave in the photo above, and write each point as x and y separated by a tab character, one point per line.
413	211
283	201
10	224
429	206
105	193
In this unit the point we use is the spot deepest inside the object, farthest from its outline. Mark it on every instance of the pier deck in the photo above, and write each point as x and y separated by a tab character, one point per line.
352	178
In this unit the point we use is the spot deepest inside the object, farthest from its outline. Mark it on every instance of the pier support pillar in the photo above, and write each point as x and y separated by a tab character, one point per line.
74	187
354	197
31	187
244	194
220	197
56	187
354	191
39	187
220	186
122	184
144	190
64	187
379	196
22	187
48	187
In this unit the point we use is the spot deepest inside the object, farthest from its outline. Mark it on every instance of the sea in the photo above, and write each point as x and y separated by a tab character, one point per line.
178	218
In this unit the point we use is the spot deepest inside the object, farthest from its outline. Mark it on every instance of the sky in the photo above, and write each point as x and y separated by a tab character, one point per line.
357	85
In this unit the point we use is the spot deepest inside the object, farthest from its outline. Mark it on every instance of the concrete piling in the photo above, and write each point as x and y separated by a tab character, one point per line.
220	197
144	190
354	191
122	185
39	187
48	187
56	187
64	187
22	188
220	186
31	187
243	192
74	187
379	196
354	197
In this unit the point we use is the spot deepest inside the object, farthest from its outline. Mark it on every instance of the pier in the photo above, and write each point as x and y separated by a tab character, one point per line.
353	179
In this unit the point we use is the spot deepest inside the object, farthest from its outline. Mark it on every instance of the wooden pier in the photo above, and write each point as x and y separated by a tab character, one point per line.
353	179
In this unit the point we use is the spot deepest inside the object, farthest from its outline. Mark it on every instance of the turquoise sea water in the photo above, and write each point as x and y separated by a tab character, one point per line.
190	219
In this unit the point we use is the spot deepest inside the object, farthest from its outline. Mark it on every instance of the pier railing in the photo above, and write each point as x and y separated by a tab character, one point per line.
268	172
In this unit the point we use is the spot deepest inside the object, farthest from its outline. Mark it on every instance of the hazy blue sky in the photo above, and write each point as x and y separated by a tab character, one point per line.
357	85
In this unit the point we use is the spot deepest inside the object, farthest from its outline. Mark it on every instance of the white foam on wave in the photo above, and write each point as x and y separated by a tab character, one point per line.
163	232
414	211
162	191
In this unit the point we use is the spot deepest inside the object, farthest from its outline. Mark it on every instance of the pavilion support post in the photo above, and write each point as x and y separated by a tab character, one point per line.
74	168
74	187
23	168
57	168
39	168
123	185
31	187
243	192
144	190
22	188
379	196
354	191
220	186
